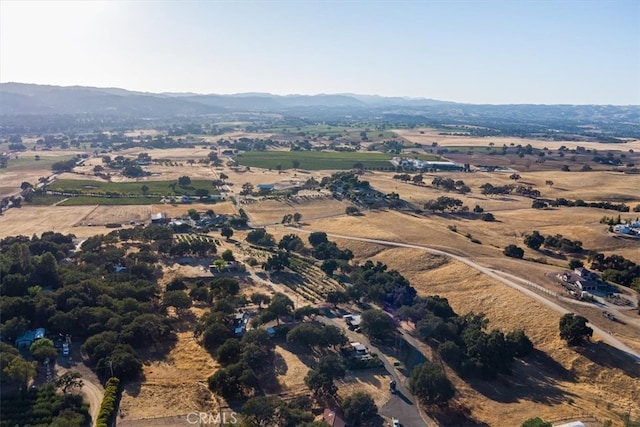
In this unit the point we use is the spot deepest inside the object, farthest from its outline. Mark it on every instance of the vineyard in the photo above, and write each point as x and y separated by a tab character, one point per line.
188	238
315	284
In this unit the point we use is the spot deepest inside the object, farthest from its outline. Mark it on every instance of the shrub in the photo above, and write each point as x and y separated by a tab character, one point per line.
513	251
109	402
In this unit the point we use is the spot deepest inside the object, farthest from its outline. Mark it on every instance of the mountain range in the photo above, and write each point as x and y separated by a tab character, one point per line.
21	100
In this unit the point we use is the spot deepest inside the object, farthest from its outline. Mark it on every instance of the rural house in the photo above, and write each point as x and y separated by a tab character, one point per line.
25	340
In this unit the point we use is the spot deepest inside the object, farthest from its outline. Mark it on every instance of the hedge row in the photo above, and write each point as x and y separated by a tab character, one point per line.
109	401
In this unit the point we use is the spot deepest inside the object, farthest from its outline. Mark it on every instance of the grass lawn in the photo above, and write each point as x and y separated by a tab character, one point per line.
316	160
155	188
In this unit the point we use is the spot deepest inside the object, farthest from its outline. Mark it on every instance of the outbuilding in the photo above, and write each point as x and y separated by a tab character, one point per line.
25	340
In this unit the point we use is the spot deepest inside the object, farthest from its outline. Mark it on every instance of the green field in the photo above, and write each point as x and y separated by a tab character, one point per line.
315	160
155	188
27	162
46	200
327	131
109	201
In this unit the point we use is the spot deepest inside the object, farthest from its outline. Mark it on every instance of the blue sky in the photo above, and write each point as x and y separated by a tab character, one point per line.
571	52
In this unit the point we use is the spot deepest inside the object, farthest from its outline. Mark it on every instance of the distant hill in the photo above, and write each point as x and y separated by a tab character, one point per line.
549	121
21	98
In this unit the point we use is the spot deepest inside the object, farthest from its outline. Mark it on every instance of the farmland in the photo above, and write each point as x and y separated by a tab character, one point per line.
322	130
178	380
155	188
317	160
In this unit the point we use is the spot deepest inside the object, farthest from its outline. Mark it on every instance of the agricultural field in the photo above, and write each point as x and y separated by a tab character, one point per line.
428	136
101	215
30	220
131	189
26	169
188	238
325	131
557	382
317	160
271	211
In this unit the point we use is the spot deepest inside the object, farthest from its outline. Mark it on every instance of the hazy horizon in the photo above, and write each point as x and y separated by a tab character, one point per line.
486	52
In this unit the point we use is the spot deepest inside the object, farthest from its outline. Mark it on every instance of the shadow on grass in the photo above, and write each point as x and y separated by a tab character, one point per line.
407	354
535	379
454	416
605	355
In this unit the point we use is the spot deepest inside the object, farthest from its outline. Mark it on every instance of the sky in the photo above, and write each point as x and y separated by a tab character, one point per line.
483	52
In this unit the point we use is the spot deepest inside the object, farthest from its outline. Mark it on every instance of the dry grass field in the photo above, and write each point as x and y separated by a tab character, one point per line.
174	386
38	219
514	215
26	168
271	211
174	210
559	382
102	215
428	136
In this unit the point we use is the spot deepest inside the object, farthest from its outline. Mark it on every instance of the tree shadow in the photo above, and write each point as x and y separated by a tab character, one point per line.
132	388
454	415
280	366
307	356
407	354
534	379
607	356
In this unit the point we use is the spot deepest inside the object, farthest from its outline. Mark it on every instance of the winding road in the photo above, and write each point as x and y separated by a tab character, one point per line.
499	276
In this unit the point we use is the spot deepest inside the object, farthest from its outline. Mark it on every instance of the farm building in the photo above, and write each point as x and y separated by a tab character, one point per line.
265	187
571	424
630	229
25	340
159	218
333	417
417	164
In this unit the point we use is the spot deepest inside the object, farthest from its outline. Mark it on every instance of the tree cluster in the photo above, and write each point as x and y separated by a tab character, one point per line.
312	335
558	242
449	184
443	203
113	312
260	237
617	268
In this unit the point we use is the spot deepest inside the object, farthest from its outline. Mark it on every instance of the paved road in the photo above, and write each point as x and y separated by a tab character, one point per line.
497	275
401	405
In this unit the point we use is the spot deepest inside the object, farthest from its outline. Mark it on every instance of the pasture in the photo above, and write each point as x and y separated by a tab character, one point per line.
318	160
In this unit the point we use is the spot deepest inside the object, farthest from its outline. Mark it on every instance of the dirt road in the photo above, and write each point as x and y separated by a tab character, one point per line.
92	390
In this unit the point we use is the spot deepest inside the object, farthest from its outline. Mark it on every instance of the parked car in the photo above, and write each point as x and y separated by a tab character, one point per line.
395	422
65	349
